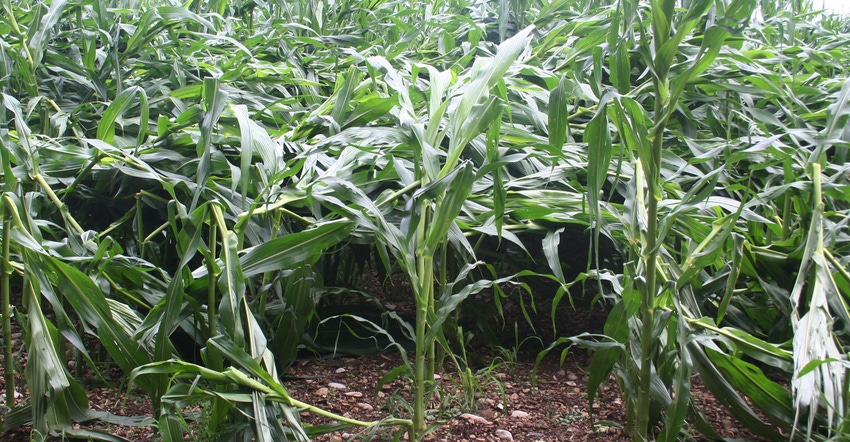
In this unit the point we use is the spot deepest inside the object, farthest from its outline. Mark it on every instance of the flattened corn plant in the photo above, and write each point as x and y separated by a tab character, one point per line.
179	180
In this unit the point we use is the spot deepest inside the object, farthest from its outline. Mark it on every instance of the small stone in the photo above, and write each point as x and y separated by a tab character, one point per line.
488	413
475	419
341	370
323	392
504	435
514	397
519	414
364	406
570	383
572	376
437	377
561	373
535	434
345	435
336	386
353	394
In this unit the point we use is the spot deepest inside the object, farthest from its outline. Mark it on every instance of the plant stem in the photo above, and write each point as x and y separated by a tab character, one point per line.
59	204
423	365
211	296
649	292
8	366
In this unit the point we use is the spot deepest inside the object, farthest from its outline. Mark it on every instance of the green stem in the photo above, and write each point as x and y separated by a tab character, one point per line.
649	292
425	264
347	420
140	227
211	296
59	204
442	280
787	201
8	366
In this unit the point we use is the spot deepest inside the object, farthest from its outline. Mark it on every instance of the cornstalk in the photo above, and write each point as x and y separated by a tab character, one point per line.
211	295
649	292
8	366
661	86
424	364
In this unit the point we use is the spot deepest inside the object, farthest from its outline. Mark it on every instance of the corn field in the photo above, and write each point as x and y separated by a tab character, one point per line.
208	171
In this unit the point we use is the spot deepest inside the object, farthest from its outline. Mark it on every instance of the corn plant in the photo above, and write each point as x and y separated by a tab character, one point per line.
700	236
173	178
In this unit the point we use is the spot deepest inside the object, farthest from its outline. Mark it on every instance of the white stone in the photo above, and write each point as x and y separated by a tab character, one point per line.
519	414
336	385
475	419
364	406
323	392
353	394
504	435
341	370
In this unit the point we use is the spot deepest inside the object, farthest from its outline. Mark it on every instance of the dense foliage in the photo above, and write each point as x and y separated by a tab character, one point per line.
185	182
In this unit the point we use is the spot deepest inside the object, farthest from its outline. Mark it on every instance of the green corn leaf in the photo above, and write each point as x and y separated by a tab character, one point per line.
88	301
345	93
447	211
215	101
57	398
727	395
550	251
558	116
480	117
106	128
465	122
773	399
300	309
40	32
170	427
681	385
598	138
253	139
370	109
633	124
621	68
231	282
290	250
750	345
616	329
666	55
